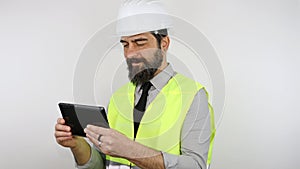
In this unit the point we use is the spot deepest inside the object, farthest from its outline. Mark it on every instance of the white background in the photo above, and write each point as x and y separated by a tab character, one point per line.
257	42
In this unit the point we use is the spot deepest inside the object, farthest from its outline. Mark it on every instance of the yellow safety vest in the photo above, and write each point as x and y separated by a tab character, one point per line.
160	127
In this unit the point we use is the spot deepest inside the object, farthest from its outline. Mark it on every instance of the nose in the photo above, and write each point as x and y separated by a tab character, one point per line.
131	51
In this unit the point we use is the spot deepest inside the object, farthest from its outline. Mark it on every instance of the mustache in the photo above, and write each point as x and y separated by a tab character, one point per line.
135	60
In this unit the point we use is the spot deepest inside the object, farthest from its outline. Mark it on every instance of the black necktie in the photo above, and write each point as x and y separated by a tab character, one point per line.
140	107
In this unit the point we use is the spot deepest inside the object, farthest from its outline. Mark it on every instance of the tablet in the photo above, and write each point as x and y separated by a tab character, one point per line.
78	116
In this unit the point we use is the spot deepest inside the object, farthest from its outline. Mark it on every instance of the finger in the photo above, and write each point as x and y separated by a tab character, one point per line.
60	127
61	120
97	129
92	133
95	142
62	139
62	134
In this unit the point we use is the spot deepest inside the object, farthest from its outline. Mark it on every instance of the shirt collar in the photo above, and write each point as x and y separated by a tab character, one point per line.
161	79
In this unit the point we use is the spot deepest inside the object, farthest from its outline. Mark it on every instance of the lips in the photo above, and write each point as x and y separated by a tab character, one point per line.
135	62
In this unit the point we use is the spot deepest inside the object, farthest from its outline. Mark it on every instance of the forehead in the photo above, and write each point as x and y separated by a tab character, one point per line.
146	35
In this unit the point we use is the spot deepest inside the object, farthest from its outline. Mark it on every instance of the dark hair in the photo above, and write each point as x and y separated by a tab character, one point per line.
159	34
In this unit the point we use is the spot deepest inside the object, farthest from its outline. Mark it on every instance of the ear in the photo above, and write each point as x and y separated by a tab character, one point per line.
165	42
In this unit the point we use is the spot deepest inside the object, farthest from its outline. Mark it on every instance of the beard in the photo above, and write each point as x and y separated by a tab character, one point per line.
141	74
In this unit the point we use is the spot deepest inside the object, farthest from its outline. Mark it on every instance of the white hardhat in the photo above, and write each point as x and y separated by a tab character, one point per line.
139	16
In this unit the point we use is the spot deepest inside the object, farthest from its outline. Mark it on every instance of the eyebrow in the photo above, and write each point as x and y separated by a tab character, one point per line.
135	40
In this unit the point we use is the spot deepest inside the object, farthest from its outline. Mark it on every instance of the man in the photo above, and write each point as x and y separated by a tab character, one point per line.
161	119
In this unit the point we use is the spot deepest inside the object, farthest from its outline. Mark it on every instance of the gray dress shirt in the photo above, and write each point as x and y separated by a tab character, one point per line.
195	133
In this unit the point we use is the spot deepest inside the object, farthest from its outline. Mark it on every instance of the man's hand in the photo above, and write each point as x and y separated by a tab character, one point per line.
116	144
79	147
63	134
113	143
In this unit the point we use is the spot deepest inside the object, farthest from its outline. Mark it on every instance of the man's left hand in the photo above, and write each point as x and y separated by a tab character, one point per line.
111	142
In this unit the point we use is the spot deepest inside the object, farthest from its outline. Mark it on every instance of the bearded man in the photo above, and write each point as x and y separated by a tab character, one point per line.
160	119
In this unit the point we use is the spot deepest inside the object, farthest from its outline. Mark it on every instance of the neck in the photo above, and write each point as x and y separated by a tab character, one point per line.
161	68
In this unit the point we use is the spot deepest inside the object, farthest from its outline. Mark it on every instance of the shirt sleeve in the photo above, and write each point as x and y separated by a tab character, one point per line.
195	136
95	162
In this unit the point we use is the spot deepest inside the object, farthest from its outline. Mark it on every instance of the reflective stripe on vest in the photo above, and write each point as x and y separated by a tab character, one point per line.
160	127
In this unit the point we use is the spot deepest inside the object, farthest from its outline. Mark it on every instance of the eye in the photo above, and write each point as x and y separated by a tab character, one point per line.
125	45
140	43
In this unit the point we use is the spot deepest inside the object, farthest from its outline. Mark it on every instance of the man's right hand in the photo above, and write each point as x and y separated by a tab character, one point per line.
63	134
79	147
